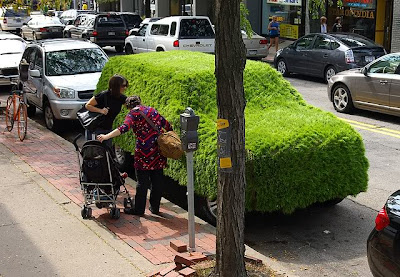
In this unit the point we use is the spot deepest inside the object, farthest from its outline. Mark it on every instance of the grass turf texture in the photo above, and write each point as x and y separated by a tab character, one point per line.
297	154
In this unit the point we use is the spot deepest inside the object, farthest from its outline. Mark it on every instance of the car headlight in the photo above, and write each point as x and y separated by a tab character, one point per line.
64	92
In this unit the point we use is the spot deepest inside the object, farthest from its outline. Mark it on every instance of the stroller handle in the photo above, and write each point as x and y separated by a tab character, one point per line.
75	140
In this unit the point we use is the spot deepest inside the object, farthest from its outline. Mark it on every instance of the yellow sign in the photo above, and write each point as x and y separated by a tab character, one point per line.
289	31
225	162
222	124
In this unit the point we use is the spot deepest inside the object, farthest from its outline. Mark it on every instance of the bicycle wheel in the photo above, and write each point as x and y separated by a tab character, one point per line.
22	121
10	114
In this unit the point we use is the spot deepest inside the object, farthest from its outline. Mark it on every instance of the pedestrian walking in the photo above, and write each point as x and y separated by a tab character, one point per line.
324	26
109	103
148	161
274	30
337	27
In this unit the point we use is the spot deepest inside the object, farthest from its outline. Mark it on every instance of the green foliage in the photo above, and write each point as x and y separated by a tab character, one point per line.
296	154
244	22
318	7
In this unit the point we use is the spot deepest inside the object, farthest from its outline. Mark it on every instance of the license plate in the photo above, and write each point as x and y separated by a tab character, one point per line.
54	30
111	33
369	59
252	52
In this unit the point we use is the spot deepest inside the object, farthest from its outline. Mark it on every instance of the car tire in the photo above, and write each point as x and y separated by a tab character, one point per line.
207	209
329	72
128	49
281	66
119	48
341	99
49	119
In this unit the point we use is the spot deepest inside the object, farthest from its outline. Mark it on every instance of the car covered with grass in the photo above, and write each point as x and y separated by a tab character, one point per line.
297	155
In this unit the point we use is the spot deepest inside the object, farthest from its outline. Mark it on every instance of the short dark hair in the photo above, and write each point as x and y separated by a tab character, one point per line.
133	101
115	83
337	19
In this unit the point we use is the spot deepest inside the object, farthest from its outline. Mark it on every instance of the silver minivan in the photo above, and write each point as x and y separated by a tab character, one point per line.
61	77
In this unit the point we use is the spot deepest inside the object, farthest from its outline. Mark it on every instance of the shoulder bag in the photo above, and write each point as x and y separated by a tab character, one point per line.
91	120
169	142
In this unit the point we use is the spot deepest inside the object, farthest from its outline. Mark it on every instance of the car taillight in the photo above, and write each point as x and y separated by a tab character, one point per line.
43	30
94	33
381	220
263	41
127	32
5	20
176	43
349	56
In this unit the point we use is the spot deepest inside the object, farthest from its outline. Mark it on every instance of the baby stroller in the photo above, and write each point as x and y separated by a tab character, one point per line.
100	179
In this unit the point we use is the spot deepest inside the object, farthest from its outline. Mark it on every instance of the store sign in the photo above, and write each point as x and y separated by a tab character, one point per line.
289	31
364	4
354	13
285	2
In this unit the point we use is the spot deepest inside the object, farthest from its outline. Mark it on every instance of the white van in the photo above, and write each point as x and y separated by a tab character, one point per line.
194	33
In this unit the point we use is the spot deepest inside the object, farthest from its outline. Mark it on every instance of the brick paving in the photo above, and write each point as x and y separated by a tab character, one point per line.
56	160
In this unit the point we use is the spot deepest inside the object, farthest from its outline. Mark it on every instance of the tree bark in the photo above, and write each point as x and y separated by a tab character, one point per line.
230	61
307	18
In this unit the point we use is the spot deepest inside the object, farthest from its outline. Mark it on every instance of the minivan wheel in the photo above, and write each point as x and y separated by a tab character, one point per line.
282	67
342	101
49	119
207	209
329	73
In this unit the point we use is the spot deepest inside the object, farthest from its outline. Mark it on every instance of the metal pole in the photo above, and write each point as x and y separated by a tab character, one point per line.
190	195
194	8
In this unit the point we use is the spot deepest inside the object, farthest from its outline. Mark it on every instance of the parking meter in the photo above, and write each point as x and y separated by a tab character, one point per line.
190	141
189	125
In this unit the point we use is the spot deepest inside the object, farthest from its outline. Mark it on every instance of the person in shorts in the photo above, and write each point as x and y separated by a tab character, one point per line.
274	30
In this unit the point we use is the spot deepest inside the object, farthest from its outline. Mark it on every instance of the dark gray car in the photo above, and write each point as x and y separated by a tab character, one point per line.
324	55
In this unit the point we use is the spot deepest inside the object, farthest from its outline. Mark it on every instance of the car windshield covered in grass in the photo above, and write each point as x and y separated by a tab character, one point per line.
76	61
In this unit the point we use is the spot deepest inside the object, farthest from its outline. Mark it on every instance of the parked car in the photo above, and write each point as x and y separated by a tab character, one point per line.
11	49
375	87
256	46
68	16
11	20
145	21
383	242
193	33
324	55
106	29
79	20
42	27
62	76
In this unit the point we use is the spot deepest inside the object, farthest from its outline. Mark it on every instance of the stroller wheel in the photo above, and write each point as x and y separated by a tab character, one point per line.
86	212
115	213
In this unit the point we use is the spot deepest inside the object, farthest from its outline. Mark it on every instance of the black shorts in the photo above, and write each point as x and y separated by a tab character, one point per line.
274	36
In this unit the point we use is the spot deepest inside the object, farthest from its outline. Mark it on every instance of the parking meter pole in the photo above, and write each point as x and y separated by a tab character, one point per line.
190	197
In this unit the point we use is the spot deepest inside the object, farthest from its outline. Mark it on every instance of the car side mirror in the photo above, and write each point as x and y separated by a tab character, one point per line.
25	23
35	73
365	71
133	32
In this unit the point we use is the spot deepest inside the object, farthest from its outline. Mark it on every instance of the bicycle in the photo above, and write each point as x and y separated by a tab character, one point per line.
16	110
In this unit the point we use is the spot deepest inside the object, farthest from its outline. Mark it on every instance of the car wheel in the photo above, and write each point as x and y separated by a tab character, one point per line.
119	48
128	49
282	67
49	119
207	209
330	71
342	101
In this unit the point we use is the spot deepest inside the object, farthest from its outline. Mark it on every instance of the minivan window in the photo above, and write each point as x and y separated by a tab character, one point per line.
172	32
158	29
196	28
110	21
76	61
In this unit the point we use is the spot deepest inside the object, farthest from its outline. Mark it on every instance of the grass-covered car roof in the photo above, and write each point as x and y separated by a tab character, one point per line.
297	154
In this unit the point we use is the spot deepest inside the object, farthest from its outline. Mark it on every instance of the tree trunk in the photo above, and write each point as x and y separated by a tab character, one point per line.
307	19
147	11
229	65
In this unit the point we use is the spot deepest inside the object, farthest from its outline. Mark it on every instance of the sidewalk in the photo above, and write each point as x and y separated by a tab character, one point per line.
40	200
271	54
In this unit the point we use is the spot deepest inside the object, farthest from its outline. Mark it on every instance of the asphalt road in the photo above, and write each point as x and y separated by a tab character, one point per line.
323	241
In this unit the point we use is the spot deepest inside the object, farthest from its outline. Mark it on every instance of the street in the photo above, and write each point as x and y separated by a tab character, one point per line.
323	241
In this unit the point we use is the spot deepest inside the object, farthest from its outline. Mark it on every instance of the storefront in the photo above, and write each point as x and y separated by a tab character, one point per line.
290	15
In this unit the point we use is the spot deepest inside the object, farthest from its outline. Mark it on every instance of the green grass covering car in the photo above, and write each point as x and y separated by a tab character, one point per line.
297	155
